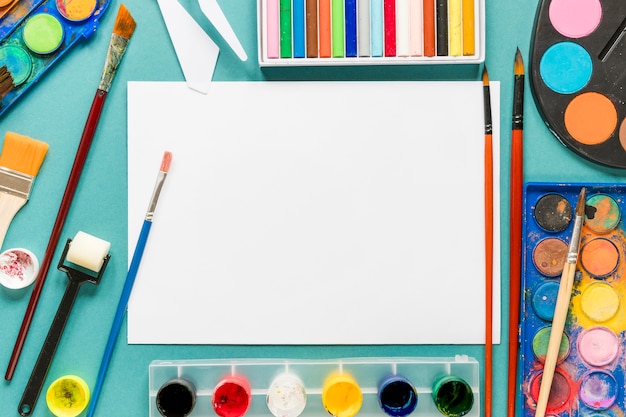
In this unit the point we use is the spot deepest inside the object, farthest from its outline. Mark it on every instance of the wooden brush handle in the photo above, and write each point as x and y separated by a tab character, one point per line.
9	206
556	333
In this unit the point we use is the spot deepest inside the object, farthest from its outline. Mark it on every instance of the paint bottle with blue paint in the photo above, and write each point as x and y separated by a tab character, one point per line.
397	396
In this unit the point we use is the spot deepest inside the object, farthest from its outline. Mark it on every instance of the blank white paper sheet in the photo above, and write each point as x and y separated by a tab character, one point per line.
312	213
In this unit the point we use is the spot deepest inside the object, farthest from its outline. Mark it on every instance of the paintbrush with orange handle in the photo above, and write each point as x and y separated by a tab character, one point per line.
122	32
488	244
515	229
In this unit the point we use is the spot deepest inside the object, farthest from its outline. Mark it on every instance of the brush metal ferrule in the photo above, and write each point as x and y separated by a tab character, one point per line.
155	195
15	183
574	244
117	47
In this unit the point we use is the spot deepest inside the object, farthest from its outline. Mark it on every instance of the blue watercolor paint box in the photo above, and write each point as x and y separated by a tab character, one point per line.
589	378
36	33
432	381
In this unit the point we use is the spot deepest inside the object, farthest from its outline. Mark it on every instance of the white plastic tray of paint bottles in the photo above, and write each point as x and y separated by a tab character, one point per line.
377	386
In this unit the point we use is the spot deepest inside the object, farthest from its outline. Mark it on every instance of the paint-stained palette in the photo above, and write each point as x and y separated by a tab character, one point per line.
383	387
577	75
35	34
589	378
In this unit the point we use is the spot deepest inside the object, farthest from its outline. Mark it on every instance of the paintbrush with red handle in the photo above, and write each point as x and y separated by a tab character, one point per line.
122	32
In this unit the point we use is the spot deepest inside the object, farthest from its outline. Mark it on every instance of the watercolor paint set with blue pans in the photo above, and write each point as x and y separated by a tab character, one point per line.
577	76
33	40
377	386
589	378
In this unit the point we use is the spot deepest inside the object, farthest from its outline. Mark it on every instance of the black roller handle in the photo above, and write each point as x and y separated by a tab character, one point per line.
37	378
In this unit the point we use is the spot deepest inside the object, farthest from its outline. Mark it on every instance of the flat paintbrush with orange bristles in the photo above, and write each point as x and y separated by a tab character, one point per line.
122	31
20	161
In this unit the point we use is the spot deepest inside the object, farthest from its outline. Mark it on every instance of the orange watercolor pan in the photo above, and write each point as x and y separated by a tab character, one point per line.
596	325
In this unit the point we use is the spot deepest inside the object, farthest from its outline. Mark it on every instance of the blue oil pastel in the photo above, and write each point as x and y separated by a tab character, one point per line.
566	67
298	29
376	24
351	28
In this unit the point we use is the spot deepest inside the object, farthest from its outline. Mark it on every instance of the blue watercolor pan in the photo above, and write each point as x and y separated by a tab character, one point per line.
38	33
577	76
589	378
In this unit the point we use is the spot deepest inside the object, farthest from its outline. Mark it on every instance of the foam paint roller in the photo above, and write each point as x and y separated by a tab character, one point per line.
87	258
88	251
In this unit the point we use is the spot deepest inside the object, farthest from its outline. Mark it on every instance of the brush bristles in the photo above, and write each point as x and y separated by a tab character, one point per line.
6	81
166	162
519	63
124	23
22	154
485	77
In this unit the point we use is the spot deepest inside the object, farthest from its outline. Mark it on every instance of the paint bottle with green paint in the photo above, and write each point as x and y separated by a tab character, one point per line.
453	396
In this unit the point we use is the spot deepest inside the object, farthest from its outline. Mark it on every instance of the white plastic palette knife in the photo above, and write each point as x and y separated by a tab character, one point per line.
216	16
196	52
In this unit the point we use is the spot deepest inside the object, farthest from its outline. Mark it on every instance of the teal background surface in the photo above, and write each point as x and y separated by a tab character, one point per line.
55	111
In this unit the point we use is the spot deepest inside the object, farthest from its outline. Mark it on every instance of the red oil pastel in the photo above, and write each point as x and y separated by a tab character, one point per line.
231	397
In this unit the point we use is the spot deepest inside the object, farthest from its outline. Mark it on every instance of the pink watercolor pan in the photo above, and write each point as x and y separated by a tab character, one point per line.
577	76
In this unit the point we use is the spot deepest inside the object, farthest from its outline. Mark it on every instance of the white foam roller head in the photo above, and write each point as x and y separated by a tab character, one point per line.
88	251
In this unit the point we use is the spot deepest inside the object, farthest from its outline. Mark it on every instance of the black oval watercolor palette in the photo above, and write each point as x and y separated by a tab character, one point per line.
577	69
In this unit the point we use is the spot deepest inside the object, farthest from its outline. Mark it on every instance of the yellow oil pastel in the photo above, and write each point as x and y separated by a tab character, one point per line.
455	27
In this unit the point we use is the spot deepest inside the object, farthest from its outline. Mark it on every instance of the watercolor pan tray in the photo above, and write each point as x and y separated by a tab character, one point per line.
13	14
424	374
577	76
589	378
36	41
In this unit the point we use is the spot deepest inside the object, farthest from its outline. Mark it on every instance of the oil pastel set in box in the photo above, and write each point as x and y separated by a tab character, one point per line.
589	376
391	386
370	32
32	40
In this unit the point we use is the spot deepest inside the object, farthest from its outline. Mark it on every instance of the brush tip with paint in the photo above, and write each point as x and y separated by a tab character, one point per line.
20	161
166	161
124	23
